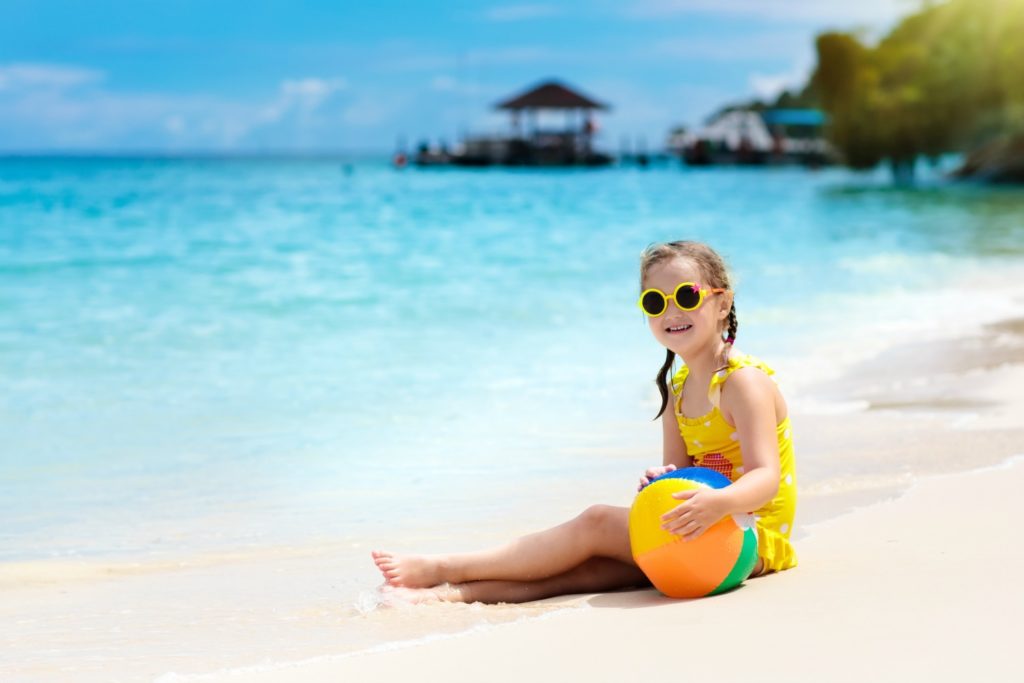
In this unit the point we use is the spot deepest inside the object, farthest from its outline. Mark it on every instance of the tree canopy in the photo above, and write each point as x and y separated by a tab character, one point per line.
948	78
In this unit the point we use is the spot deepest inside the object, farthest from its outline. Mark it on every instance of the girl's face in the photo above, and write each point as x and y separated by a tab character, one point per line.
686	332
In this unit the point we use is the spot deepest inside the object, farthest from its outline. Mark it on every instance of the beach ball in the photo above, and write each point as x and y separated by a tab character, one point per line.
717	561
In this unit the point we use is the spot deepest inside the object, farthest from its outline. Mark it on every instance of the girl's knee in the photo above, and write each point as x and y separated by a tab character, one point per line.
604	531
601	517
593	515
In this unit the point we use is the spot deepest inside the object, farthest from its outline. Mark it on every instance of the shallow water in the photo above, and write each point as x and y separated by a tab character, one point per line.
202	354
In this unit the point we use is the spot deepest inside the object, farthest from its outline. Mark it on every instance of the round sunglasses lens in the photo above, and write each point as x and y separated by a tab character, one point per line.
653	303
687	297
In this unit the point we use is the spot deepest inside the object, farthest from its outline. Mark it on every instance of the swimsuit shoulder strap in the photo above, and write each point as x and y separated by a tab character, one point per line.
677	388
678	379
736	361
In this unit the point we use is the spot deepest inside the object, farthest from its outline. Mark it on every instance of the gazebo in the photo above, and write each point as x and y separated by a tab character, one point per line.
568	146
553	96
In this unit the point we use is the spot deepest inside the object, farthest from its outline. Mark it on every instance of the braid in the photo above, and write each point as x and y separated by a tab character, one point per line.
662	380
733	325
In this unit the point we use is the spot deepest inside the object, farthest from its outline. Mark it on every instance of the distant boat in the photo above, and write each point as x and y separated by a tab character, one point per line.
528	144
749	137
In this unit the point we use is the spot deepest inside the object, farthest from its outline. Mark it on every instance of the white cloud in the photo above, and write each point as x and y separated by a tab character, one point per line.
472	58
370	109
175	124
444	84
46	107
770	86
25	76
312	91
303	94
506	13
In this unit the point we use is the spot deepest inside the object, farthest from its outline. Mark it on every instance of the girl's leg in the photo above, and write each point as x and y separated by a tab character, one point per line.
596	575
600	531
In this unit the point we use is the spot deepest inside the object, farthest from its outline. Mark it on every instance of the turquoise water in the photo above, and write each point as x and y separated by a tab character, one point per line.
219	353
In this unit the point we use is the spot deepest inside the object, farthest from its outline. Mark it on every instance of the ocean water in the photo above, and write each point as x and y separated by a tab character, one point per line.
202	354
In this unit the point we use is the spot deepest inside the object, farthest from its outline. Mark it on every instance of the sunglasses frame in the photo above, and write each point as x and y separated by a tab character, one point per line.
701	295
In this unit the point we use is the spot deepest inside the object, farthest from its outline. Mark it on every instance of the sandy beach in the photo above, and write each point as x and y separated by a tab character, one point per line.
908	569
903	575
908	589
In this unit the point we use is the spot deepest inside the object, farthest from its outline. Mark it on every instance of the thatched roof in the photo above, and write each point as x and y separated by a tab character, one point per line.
550	95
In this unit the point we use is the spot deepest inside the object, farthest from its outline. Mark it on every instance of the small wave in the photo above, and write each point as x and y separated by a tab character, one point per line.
368	601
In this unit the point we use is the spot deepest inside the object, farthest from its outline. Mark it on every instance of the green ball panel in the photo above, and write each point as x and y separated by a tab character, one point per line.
744	563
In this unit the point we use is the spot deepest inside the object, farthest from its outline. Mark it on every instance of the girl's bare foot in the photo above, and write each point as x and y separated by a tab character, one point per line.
410	571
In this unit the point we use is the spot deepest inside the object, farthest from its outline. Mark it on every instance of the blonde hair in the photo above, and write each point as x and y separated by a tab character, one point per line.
713	273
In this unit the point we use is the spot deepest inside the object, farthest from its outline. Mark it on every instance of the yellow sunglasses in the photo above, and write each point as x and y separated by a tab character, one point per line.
688	296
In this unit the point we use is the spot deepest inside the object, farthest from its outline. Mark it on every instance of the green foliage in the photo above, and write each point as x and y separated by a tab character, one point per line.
944	79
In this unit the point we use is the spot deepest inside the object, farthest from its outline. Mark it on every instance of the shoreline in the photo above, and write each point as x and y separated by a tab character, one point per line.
604	617
922	420
849	465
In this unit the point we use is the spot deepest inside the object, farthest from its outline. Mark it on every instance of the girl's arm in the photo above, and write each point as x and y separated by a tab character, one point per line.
749	403
673	446
674	454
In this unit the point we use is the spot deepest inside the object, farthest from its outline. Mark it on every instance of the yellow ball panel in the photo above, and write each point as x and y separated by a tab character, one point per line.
645	532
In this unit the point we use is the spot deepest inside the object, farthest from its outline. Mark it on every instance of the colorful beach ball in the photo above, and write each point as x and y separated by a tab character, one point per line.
716	561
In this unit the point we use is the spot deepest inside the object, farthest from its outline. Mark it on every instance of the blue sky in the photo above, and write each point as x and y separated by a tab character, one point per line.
183	75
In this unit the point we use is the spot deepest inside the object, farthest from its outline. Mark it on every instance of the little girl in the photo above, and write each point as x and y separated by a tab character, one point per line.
726	414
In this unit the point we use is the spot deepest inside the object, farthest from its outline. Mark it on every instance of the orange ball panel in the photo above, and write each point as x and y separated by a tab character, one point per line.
691	569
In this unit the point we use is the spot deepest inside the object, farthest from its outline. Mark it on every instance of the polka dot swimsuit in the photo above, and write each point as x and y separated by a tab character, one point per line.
713	443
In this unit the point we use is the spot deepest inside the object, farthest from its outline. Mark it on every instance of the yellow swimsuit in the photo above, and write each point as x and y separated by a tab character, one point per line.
712	442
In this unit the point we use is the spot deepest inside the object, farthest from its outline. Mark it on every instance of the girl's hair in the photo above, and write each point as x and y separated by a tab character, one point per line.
713	271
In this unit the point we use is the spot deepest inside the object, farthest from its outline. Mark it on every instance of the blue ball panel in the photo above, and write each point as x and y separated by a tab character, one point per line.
701	475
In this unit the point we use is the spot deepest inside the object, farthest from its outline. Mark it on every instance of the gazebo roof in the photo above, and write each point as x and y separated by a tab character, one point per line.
550	95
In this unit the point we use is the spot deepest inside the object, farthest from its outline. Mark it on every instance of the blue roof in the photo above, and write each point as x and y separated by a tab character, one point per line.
794	117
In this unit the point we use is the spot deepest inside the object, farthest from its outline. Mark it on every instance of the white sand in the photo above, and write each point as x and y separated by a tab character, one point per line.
892	584
925	587
917	581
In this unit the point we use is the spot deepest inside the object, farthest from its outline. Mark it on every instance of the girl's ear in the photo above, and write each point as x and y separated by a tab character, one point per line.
725	305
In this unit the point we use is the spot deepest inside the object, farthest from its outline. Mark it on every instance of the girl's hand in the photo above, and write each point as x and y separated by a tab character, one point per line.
698	512
653	472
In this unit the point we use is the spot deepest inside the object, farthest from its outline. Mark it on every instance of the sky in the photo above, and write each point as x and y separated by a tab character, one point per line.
220	76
